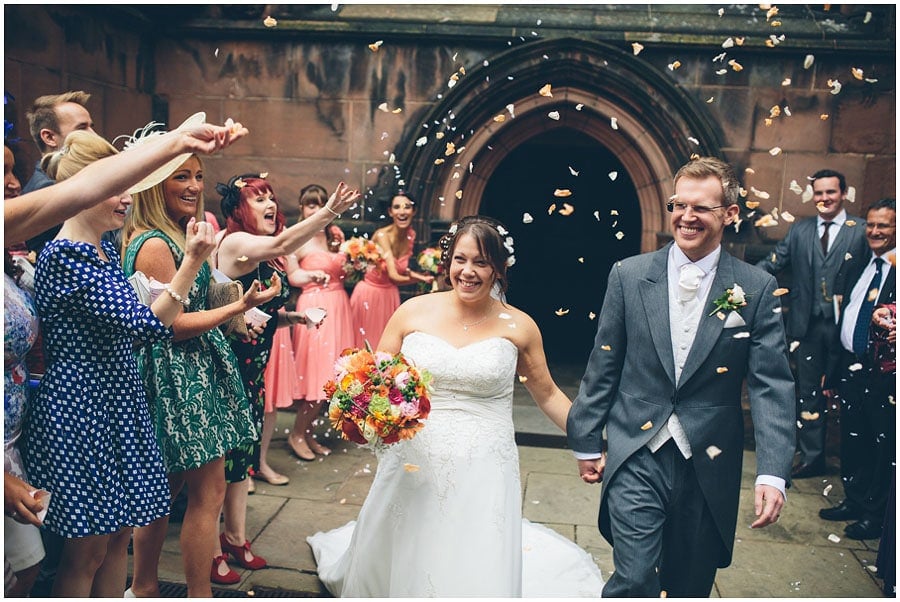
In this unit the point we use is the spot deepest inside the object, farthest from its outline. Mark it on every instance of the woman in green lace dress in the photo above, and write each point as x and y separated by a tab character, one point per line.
198	401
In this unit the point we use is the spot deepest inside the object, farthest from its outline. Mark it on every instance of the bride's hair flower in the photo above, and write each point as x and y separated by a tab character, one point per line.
377	398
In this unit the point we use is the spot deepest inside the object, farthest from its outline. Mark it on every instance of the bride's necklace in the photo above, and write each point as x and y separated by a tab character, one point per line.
486	315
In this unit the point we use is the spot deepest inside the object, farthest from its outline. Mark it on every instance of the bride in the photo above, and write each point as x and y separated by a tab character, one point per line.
443	517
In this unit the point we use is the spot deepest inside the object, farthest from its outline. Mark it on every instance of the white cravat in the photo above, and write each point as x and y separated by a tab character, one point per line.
686	301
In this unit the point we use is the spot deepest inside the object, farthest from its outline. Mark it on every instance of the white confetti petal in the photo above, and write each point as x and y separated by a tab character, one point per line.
712	451
614	123
834	538
827	489
794	345
526	218
613	175
808	61
795	187
422	141
854	367
741	335
553	115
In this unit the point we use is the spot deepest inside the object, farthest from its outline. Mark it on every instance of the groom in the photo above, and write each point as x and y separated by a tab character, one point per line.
680	330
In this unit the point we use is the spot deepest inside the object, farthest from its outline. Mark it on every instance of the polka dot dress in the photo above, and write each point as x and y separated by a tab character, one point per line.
89	439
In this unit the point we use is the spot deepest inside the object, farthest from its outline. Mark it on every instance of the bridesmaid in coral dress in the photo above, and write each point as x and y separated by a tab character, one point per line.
318	269
377	295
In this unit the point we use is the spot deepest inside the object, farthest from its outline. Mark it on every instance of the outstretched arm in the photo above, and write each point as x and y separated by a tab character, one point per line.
37	211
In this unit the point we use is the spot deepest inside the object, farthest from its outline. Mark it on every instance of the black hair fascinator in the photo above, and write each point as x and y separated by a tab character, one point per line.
231	192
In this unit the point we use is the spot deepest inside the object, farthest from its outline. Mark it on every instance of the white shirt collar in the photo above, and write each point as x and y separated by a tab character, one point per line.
883	256
839	219
707	264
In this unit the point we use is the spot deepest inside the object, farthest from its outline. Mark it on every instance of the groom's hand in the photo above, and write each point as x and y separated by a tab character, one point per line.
591	471
767	506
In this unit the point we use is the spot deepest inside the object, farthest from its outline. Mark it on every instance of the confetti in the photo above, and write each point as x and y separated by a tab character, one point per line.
511	108
242	258
721	370
868	16
562	193
554	115
851	195
835	86
760	193
438	161
780	291
581	260
712	451
376	45
854	367
827	489
450	149
592	315
500	118
809	415
526	218
343	500
636	48
674	65
786	81
504	316
647	426
614	123
721	11
728	43
857	73
613	175
551	208
216	53
834	538
807	194
410	468
771	12
751	204
741	335
766	221
546	91
710	99
620	235
383	107
775	151
736	66
264	175
270	22
808	61
422	141
795	187
561	311
567	209
597	215
850	223
240	183
786	216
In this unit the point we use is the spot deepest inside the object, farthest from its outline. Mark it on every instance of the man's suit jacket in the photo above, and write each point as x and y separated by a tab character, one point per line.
800	250
629	385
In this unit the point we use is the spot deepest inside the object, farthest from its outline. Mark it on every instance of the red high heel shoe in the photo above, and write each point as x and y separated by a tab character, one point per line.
229	578
239	554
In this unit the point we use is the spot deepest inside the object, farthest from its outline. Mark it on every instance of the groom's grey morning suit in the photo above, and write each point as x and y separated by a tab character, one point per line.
632	388
810	318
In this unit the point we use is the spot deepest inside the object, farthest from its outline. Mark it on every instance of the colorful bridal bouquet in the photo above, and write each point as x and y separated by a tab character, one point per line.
377	398
429	260
362	255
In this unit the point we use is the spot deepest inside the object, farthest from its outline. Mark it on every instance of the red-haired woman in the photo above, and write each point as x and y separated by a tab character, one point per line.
252	247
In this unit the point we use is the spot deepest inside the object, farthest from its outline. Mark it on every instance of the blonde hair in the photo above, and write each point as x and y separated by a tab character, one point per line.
148	212
80	149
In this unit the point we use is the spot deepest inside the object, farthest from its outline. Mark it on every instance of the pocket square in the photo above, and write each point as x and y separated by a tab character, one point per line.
734	320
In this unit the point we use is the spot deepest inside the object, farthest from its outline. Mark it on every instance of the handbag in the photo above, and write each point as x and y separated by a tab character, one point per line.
223	293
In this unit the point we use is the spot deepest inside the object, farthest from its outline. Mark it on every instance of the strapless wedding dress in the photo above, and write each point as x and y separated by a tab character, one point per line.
443	517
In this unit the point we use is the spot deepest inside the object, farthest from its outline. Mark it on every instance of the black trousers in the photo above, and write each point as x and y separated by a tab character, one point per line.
868	435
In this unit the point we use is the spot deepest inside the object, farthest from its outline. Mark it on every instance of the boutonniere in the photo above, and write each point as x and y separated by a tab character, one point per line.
733	299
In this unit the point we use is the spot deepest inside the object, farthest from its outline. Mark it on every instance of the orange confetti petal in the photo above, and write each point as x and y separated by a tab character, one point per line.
780	291
721	370
410	468
561	311
546	91
647	426
562	193
567	209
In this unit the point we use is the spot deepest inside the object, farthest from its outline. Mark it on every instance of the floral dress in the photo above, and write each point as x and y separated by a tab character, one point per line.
197	399
88	438
253	355
19	333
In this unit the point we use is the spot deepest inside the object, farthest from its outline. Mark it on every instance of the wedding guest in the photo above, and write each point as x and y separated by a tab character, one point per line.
377	296
443	517
89	439
252	247
319	273
22	548
197	399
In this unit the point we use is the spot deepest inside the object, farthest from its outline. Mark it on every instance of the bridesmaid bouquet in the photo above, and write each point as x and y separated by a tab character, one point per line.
429	261
377	398
362	255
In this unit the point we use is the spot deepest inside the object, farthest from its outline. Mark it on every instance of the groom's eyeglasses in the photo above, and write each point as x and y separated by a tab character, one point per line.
673	207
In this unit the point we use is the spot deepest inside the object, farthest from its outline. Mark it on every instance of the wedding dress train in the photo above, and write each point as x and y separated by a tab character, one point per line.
443	517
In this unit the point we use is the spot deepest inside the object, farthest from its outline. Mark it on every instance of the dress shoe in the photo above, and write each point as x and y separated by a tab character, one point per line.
805	471
863	529
301	451
240	553
273	479
842	511
229	578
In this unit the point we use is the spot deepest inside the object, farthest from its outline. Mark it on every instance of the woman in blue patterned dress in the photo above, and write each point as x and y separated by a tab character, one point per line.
198	403
88	438
252	247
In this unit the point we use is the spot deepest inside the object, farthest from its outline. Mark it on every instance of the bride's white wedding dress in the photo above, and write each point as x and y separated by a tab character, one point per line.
443	517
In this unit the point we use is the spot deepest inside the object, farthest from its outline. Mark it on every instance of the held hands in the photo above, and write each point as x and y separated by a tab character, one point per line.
208	138
591	471
341	199
767	506
18	503
199	240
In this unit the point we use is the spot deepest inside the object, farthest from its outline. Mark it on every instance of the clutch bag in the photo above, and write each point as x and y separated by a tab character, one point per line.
223	293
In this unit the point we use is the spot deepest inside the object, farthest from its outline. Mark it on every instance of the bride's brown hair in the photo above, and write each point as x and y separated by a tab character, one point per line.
492	238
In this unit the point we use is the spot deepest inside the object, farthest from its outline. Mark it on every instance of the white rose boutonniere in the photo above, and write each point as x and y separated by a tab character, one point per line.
733	299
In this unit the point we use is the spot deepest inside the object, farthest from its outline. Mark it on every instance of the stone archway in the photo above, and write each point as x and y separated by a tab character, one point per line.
658	126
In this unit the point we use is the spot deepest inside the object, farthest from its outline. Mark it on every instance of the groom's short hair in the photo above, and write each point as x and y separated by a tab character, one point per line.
701	168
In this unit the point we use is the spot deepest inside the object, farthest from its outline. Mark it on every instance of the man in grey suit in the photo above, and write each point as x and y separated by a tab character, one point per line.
679	331
814	250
